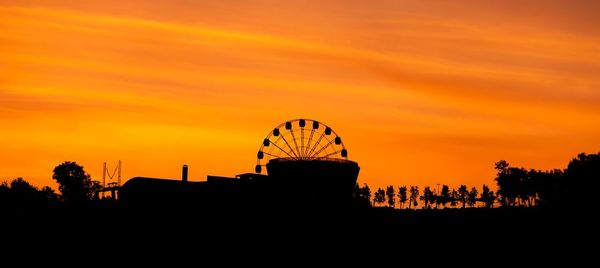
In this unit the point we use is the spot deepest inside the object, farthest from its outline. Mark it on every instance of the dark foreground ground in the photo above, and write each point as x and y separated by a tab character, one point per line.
505	234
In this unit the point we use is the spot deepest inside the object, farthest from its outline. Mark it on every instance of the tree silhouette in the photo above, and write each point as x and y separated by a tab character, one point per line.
402	196
21	187
364	193
575	186
445	195
49	194
20	194
454	196
24	195
4	195
75	185
549	187
436	199
427	196
414	196
512	184
582	181
379	197
487	197
505	187
527	188
391	196
463	195
472	197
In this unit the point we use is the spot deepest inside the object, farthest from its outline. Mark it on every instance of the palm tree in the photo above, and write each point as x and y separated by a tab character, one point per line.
414	196
391	196
402	196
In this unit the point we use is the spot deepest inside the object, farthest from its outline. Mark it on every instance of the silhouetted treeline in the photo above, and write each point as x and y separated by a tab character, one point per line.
20	195
574	186
410	197
75	186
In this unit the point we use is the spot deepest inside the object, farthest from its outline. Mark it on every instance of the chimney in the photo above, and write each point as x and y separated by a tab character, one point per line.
184	173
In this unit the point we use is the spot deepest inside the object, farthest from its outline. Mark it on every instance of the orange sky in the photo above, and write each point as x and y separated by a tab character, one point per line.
422	92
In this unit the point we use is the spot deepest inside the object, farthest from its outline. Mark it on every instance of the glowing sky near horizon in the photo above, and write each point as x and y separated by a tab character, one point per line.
422	92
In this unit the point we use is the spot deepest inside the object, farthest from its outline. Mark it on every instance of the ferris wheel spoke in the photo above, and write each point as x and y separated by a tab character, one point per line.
319	145
302	141
281	149
329	154
322	149
316	145
275	156
295	142
312	132
289	146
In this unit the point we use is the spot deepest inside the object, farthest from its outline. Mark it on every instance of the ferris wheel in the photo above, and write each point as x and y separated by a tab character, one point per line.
301	140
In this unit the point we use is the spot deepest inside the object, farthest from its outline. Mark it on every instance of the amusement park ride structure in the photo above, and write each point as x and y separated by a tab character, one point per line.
112	186
306	164
301	140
